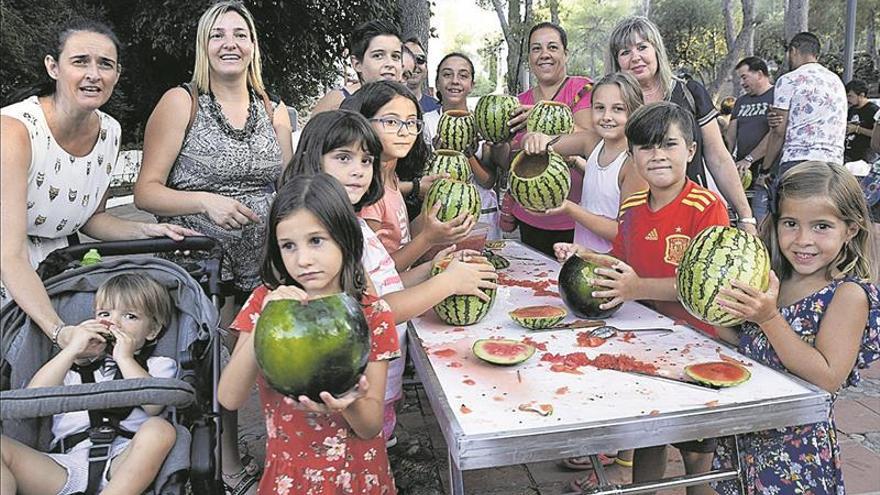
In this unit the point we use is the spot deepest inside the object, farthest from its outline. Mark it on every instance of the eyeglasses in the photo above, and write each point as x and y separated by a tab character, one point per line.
393	124
421	59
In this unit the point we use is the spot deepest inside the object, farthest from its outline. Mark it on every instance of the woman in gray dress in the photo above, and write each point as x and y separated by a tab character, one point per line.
213	150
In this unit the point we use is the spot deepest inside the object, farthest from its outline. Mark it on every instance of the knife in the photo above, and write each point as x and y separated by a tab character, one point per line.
572	325
682	381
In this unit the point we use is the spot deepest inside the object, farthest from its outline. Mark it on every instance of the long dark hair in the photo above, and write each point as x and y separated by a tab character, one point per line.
54	48
324	197
373	96
327	131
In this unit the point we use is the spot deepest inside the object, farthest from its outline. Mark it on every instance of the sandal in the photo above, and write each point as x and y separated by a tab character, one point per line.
583	463
583	483
242	481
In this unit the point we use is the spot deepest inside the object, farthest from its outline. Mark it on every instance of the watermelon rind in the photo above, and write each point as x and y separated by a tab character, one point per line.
305	349
455	198
551	316
544	191
450	162
708	373
713	259
461	310
483	349
746	179
492	114
456	130
577	294
550	117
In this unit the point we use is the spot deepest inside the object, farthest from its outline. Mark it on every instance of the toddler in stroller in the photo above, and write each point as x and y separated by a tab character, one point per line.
131	309
141	372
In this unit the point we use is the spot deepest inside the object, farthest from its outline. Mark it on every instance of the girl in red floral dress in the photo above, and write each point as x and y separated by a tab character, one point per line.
314	248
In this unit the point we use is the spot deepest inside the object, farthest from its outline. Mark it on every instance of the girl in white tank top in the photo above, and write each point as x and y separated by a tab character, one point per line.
600	196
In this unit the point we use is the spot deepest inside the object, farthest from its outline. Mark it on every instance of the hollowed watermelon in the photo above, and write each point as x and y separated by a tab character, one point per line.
305	349
505	352
714	258
538	316
539	182
718	373
461	310
451	162
577	294
492	114
550	117
456	130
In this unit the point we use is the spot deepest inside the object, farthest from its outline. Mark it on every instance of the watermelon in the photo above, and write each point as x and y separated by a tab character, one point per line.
550	117
503	351
461	310
456	130
746	179
577	294
305	349
718	373
714	258
456	197
539	182
492	114
451	162
538	316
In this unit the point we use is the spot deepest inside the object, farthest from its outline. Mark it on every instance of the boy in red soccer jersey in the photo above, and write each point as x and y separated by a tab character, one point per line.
656	226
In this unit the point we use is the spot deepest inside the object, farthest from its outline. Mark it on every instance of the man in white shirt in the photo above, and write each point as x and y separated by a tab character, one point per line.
809	109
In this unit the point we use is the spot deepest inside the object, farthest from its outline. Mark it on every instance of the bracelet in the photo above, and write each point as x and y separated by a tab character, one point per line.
552	142
748	220
56	332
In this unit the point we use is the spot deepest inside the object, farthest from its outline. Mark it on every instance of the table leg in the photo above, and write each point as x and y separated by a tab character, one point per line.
599	469
456	483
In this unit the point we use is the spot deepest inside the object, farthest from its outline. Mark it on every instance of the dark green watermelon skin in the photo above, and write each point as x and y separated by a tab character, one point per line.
576	292
305	349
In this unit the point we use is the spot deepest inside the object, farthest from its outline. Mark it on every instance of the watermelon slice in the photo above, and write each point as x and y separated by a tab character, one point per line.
718	373
533	317
504	352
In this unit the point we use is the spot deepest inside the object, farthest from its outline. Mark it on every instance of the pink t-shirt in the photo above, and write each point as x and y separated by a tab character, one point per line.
567	94
390	213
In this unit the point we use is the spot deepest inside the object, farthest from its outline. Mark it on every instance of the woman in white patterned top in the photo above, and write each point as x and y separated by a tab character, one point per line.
58	153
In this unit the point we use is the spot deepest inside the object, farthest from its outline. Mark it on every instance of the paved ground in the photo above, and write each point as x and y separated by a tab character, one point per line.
420	458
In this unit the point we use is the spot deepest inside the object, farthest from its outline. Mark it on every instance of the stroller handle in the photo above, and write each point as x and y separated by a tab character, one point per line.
141	246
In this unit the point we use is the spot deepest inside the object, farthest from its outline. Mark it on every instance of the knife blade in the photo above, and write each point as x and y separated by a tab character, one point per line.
682	381
572	325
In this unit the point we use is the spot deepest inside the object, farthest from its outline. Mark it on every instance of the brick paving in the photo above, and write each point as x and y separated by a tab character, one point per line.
420	458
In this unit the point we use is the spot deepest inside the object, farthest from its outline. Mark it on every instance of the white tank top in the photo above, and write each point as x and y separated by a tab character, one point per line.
600	196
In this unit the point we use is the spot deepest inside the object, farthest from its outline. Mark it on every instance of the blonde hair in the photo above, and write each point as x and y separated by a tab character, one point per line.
625	34
630	91
138	292
815	179
202	70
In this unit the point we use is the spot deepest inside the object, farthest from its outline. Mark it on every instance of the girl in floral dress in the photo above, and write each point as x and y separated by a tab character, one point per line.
820	320
314	248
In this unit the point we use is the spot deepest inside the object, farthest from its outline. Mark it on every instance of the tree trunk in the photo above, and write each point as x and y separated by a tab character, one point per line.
415	20
554	11
734	50
646	8
872	38
797	14
729	28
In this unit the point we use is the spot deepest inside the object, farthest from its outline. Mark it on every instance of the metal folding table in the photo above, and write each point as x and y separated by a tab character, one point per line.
488	414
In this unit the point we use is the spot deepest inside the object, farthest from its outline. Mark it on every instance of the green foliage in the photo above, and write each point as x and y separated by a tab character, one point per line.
693	31
302	43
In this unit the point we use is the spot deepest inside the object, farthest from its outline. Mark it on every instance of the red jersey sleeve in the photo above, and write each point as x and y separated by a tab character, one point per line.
384	344
715	214
247	318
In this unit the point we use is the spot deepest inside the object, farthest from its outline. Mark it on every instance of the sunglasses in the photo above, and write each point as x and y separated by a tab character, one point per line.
421	59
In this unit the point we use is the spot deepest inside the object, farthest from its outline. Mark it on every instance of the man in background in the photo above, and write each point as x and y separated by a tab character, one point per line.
860	122
418	83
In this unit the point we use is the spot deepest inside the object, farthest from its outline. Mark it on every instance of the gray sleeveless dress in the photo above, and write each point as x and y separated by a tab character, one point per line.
238	163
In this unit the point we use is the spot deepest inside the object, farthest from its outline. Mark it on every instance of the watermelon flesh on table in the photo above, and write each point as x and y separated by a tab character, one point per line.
712	260
505	352
305	349
718	373
538	316
577	294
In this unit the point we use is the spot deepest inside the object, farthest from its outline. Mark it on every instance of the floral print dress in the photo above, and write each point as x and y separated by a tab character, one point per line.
318	454
798	459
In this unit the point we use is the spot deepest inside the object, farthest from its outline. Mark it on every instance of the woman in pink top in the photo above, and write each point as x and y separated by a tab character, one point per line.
548	54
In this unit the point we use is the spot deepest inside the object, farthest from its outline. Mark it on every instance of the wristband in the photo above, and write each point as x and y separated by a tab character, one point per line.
749	158
748	220
56	332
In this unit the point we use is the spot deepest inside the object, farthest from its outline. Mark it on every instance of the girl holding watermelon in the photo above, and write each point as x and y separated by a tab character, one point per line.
343	144
820	320
314	247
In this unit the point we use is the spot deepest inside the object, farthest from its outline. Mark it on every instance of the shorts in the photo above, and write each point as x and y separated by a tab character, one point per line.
76	463
705	446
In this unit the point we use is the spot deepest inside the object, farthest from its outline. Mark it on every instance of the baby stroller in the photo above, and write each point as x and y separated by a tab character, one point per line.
191	339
